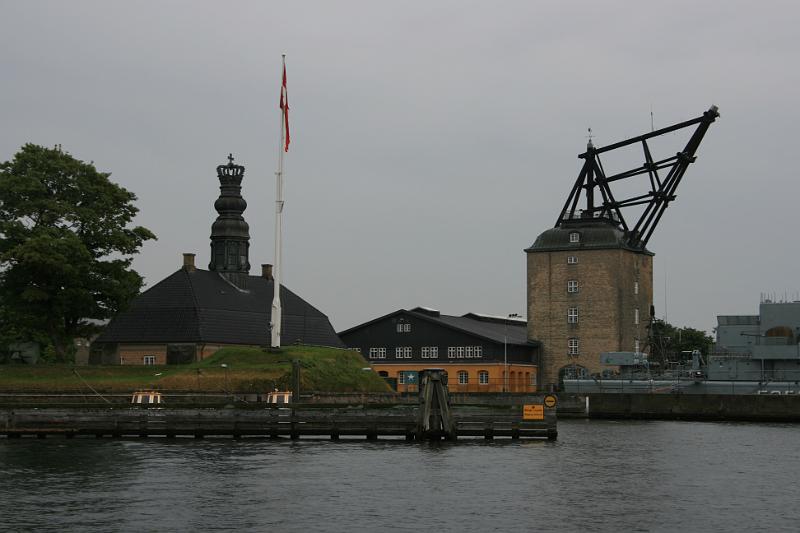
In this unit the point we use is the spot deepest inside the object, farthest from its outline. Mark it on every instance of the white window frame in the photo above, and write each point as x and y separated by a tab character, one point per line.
460	352
463	377
635	287
483	377
572	260
573	346
451	352
377	353
636	345
430	352
574	236
401	378
572	315
636	316
468	351
402	352
478	351
572	286
149	360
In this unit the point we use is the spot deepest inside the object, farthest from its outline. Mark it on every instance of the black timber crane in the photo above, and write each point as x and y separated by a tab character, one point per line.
592	180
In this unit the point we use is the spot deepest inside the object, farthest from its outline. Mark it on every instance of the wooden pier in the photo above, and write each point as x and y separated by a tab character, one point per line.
292	422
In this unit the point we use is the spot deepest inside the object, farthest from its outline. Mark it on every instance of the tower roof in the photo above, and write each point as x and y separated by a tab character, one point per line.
592	235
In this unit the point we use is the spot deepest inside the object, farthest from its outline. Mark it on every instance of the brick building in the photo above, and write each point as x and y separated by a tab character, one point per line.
590	278
588	292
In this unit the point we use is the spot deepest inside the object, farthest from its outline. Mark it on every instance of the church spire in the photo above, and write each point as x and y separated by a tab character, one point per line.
230	234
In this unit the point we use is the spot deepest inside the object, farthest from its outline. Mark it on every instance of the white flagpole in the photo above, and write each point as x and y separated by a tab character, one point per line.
276	298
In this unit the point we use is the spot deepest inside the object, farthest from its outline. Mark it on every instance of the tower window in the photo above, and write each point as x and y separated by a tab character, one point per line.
636	316
572	315
574	237
572	285
572	260
403	327
572	346
635	287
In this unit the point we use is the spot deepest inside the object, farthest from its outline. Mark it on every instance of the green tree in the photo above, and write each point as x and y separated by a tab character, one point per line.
667	342
65	247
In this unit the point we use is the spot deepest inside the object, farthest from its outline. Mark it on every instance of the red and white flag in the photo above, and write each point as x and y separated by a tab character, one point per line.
285	111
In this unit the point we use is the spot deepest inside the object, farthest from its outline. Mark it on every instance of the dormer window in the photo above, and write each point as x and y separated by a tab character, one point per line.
574	237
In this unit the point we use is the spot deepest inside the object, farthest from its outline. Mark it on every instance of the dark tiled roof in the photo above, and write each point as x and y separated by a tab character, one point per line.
202	306
490	328
517	333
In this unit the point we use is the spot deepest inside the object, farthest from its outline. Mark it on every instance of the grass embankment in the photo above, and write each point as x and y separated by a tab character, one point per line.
248	370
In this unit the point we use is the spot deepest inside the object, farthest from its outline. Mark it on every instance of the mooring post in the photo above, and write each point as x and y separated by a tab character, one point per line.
295	380
435	419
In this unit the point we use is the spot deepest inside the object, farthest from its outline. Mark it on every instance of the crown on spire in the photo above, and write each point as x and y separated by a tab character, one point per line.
230	170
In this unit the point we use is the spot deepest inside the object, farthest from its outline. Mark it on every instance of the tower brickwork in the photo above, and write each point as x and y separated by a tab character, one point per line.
588	292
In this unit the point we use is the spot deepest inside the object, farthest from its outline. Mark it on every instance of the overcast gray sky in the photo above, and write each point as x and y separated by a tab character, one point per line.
432	141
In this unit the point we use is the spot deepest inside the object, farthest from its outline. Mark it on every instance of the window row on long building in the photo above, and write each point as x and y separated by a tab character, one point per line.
427	352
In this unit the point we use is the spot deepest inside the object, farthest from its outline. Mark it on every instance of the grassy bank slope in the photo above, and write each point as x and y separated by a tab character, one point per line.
248	370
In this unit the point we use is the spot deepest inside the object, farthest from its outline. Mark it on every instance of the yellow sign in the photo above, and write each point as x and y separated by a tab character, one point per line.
533	412
550	401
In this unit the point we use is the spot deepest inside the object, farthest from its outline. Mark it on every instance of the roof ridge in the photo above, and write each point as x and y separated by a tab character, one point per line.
459	328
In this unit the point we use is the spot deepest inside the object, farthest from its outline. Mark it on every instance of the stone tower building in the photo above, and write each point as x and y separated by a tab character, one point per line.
590	278
588	292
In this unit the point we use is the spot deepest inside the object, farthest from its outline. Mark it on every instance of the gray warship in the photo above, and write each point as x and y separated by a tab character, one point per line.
753	354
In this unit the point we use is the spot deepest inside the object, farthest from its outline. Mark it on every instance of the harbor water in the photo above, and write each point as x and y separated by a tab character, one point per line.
598	476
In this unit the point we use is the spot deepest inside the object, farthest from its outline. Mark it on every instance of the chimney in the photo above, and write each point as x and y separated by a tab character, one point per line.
266	272
188	262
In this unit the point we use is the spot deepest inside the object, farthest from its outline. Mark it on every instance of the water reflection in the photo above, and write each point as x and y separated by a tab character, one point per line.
598	476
